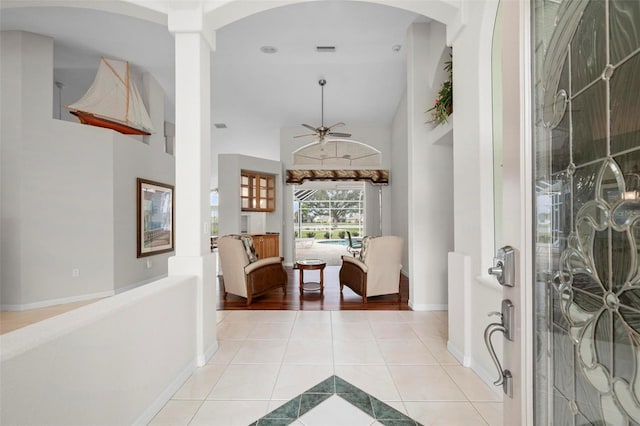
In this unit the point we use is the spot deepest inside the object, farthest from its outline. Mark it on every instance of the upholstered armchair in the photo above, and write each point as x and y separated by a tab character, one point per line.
377	270
243	273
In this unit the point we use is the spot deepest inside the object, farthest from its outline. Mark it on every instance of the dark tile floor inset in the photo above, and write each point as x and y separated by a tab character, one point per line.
334	385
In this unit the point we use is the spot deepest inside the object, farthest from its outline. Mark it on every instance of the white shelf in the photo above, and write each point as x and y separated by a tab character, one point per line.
442	134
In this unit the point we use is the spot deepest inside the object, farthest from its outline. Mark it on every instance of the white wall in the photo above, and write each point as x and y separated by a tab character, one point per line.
75	191
81	368
259	143
75	83
430	177
473	181
399	179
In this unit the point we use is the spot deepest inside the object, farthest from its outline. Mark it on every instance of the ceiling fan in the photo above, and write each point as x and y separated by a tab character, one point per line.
322	132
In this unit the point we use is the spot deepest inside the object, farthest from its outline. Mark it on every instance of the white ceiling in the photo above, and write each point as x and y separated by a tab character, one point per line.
365	77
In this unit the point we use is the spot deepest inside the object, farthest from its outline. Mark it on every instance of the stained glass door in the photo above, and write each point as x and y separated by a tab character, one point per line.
586	86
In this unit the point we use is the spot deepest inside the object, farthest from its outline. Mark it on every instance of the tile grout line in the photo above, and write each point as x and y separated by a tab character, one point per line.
486	420
197	411
465	394
386	364
286	346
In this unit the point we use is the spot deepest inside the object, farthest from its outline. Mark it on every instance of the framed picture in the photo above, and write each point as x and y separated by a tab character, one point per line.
155	217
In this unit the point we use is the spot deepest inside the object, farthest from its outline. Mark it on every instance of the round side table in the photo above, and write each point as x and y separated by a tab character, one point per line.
310	265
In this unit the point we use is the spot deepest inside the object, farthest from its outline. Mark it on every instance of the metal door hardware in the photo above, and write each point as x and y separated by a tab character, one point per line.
505	326
504	267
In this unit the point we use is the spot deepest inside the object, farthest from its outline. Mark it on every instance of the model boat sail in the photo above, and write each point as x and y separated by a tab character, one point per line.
113	101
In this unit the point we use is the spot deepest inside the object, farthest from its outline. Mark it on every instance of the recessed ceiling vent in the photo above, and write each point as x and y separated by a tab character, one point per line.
325	49
220	125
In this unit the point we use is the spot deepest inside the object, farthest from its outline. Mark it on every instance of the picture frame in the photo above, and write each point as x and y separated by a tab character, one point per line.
155	207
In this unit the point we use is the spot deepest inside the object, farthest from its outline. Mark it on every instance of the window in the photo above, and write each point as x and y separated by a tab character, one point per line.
214	212
258	192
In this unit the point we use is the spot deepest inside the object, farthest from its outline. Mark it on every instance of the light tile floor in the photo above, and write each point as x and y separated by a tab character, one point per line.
267	358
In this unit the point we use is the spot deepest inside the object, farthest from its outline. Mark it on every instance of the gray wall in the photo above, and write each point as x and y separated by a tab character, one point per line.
229	167
65	203
400	180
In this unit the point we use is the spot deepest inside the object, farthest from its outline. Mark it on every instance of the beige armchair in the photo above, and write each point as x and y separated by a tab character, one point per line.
243	274
377	270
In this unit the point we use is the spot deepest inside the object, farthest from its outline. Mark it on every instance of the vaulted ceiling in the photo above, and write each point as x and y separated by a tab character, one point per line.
255	92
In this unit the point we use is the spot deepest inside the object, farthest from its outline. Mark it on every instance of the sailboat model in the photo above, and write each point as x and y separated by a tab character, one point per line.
113	101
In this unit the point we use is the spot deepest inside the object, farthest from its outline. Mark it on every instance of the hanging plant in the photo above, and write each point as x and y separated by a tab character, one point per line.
443	105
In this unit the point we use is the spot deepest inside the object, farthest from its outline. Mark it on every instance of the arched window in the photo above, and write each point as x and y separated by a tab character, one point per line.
337	153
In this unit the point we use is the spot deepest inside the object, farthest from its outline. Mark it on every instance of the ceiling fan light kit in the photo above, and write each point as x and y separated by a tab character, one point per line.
321	132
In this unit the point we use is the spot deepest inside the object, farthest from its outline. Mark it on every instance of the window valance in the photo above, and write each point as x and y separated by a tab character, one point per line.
376	177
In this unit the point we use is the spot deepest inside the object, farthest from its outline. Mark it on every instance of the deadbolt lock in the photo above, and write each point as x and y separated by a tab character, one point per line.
504	268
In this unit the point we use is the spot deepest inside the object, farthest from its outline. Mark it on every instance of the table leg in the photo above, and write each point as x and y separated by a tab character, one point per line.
301	275
321	280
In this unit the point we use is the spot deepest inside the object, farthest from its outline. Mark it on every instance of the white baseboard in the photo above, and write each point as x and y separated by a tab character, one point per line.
60	301
458	354
428	306
487	377
204	358
150	412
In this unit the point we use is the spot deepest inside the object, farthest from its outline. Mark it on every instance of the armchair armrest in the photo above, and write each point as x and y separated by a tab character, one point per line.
261	264
356	262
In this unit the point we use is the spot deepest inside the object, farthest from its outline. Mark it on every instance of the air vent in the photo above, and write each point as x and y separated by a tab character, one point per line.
326	49
220	125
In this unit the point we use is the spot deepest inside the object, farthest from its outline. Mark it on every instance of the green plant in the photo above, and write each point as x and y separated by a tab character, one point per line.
355	233
327	235
443	105
311	234
341	235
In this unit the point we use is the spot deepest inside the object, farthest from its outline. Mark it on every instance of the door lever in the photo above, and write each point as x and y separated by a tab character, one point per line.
506	327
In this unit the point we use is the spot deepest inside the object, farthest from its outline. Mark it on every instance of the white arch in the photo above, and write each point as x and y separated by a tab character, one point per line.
145	10
220	13
448	12
342	153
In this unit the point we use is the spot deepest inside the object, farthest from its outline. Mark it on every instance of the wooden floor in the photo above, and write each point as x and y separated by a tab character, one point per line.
331	300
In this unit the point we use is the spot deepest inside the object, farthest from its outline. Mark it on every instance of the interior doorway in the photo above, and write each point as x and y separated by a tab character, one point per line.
324	214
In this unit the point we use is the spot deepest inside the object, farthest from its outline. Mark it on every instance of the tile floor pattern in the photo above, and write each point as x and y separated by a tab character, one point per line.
268	358
335	401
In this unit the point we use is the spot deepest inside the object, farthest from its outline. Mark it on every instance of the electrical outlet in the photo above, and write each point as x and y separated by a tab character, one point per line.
75	273
149	264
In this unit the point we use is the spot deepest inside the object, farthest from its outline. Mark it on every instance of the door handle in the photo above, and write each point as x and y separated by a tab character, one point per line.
505	326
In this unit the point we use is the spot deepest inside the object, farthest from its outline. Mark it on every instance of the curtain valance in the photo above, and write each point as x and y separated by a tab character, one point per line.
376	177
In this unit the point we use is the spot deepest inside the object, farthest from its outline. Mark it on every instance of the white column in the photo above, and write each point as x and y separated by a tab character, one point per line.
192	152
430	176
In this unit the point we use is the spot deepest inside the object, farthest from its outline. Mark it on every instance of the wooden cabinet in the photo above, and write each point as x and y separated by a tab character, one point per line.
258	192
266	245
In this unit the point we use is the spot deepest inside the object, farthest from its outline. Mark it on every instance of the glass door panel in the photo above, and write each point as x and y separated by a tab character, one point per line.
586	75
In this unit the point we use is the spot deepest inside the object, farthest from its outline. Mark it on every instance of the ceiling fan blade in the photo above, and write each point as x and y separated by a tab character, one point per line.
302	136
340	124
309	127
340	135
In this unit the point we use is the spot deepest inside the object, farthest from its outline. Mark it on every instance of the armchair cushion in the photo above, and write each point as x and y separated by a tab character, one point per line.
366	242
247	243
357	262
260	263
